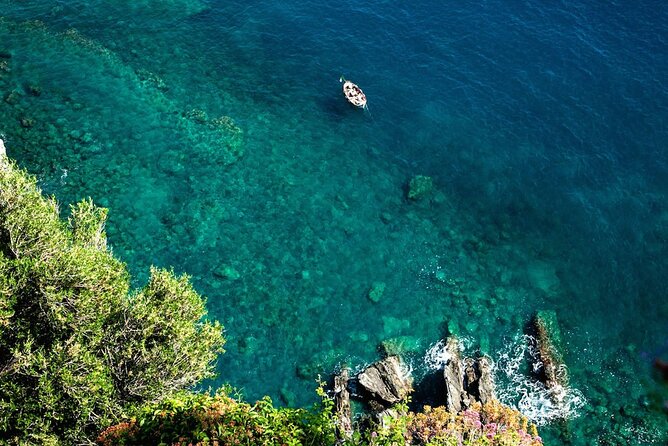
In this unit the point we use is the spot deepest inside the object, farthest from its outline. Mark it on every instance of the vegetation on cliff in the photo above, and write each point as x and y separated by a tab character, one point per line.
79	350
222	421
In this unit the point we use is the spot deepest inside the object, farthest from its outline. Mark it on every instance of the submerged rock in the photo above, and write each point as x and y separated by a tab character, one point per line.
226	272
543	276
419	187
12	97
399	345
342	404
376	291
34	90
386	380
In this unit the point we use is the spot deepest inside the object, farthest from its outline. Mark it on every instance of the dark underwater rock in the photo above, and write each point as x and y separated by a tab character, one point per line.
419	187
27	123
386	380
12	98
33	89
376	291
399	345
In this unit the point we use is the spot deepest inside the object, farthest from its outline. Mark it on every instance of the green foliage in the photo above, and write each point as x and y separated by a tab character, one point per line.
153	355
87	224
221	420
77	349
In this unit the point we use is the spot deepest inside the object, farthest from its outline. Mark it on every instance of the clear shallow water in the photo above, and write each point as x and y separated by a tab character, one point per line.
543	125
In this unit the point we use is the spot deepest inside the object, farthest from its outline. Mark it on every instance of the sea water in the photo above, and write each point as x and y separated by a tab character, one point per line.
217	135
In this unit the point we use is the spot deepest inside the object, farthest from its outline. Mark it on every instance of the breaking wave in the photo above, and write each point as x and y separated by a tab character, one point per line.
436	356
527	394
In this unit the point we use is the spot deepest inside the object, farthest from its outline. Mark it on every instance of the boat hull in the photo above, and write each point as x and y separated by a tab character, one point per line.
354	94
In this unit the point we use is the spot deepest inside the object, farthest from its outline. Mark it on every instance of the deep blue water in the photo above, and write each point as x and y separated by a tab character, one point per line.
543	125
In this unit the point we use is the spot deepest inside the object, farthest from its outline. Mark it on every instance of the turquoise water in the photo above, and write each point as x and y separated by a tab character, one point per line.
542	124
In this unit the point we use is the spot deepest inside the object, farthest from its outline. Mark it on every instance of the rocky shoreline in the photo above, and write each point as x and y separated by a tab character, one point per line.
386	385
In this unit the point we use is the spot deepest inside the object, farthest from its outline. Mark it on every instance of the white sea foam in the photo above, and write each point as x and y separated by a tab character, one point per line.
436	356
529	395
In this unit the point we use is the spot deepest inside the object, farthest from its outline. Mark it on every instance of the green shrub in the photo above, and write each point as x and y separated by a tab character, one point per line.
223	421
78	350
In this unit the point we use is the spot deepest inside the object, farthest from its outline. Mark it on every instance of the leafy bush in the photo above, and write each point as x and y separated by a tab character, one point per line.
223	421
78	349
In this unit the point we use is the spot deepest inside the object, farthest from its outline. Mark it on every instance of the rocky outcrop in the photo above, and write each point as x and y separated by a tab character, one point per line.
553	372
478	379
386	381
455	396
3	151
486	390
342	405
467	379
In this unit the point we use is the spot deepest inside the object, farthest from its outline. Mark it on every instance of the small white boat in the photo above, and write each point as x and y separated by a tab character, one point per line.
353	93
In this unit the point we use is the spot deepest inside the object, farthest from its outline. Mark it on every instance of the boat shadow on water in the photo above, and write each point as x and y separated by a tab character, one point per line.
339	109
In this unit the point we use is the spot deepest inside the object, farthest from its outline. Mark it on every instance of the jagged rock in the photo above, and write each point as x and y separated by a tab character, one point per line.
486	390
470	378
478	380
386	380
342	404
467	379
453	373
548	338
